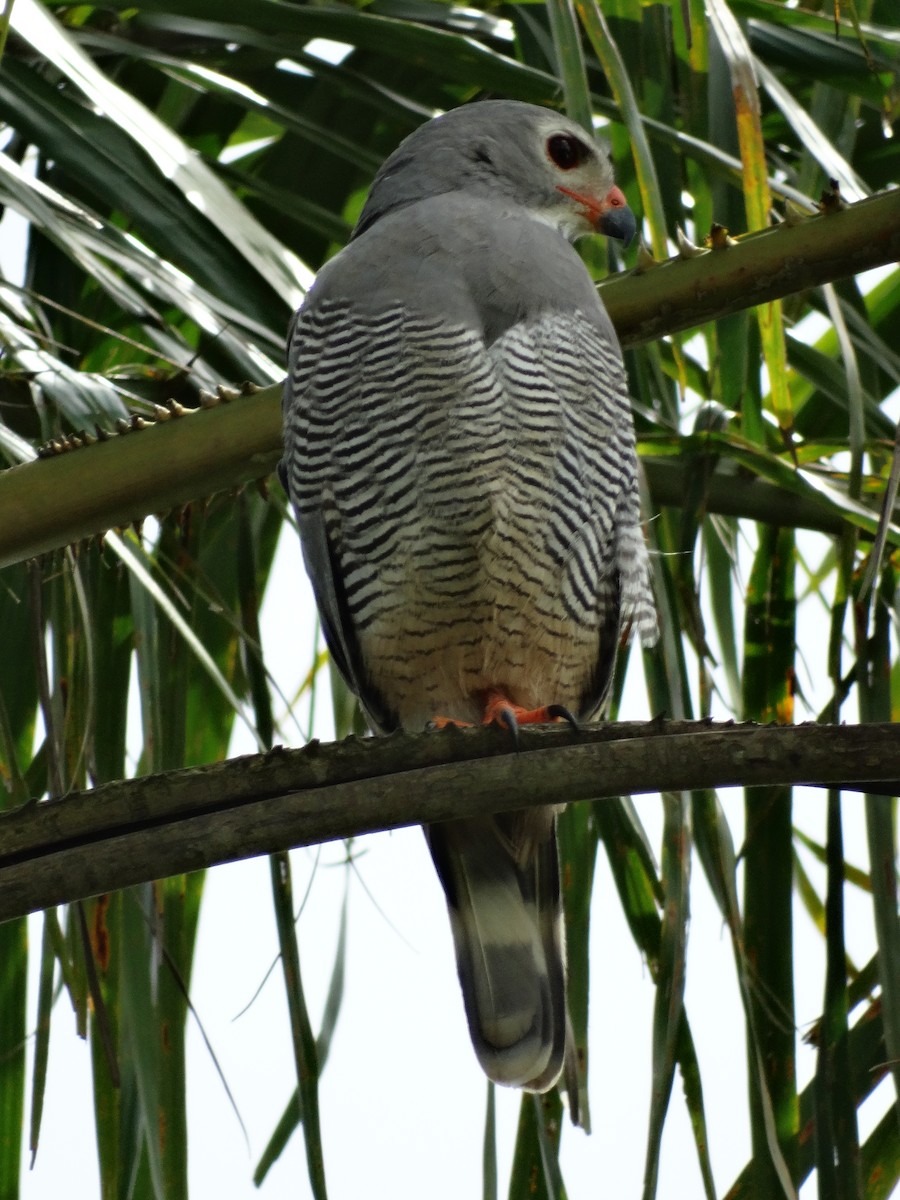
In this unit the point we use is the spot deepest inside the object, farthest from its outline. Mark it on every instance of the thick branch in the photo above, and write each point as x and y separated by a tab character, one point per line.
683	293
53	502
56	501
128	832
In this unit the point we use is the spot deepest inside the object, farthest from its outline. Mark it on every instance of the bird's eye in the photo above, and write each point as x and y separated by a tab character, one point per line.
566	151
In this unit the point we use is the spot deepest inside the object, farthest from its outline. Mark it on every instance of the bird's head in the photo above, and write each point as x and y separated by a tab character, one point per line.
520	153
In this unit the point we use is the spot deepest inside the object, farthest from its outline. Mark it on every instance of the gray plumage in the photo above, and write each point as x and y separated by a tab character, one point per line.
459	450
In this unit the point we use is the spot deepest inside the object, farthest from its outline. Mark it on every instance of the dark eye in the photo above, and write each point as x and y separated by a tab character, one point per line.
567	151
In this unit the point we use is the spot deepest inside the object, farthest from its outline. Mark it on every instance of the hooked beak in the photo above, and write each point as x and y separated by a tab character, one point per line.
610	216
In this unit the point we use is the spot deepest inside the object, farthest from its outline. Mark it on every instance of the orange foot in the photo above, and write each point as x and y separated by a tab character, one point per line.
447	722
499	709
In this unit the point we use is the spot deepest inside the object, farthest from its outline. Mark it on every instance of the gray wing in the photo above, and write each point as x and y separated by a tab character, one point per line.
375	398
564	382
324	363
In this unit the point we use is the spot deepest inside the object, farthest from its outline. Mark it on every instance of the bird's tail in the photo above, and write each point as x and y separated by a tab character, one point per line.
501	879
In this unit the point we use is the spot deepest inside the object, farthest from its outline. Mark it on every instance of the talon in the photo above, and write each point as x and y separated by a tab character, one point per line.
507	716
559	712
